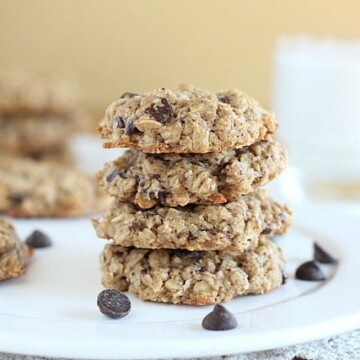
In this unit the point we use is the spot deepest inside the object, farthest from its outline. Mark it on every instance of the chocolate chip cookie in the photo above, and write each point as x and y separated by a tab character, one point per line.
185	120
181	179
33	189
235	226
34	134
193	278
22	94
14	254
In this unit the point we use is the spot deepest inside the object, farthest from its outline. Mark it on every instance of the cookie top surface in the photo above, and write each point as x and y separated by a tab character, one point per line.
33	189
24	94
234	226
185	120
182	179
194	278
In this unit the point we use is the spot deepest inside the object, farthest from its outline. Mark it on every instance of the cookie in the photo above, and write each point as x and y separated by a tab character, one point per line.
34	189
61	154
185	120
181	179
24	94
235	226
14	254
193	278
34	134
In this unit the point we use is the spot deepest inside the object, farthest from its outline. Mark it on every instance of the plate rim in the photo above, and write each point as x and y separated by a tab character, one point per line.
344	319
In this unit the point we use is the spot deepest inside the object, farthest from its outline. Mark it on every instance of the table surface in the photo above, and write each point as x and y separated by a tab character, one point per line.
341	347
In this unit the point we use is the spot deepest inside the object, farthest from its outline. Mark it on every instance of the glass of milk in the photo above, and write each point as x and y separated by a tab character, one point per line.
316	97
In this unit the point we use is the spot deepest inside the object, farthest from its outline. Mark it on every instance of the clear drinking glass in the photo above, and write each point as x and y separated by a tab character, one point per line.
316	97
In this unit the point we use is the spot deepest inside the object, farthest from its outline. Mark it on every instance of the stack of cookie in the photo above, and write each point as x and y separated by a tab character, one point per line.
189	223
36	117
37	178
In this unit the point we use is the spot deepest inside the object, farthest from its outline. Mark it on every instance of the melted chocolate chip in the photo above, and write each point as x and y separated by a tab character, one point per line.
140	181
127	95
225	99
17	199
119	122
112	176
37	239
130	128
138	226
113	303
242	150
160	113
322	256
309	271
162	196
266	231
219	319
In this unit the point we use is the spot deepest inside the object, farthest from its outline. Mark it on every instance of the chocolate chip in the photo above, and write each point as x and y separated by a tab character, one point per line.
160	113
119	122
17	199
242	150
322	256
196	255
284	278
225	99
162	196
37	239
130	128
310	271
219	319
112	175
127	95
266	231
191	237
138	226
113	303
156	176
152	195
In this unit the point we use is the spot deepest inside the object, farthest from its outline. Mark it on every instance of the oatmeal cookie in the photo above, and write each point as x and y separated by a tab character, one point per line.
33	189
235	226
61	154
193	277
181	179
34	134
185	120
24	94
14	254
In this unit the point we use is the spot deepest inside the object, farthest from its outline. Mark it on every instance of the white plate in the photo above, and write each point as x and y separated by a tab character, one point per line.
51	311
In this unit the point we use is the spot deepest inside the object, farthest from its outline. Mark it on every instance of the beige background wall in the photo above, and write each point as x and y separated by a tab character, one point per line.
126	45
